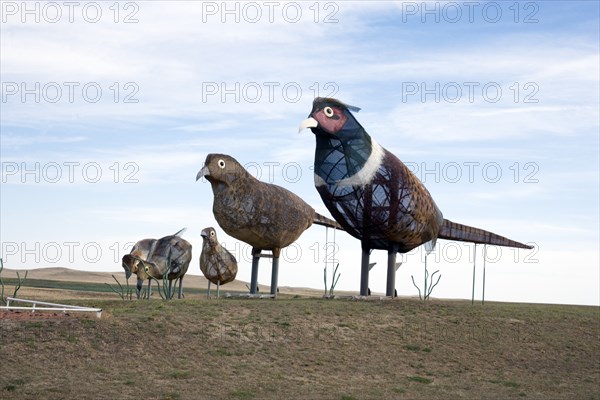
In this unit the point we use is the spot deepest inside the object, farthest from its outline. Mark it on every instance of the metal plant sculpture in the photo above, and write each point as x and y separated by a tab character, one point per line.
334	280
217	264
428	284
165	259
165	291
17	284
374	196
266	216
125	293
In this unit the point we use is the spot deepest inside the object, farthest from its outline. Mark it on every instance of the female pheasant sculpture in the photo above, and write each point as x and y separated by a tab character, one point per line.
266	216
373	195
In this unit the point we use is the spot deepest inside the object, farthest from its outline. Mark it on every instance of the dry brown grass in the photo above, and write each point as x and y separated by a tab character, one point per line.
302	348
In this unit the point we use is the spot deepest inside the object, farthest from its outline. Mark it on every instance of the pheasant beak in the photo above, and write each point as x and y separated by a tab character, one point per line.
308	123
202	173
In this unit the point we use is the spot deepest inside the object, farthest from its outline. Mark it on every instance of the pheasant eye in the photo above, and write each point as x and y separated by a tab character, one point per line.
221	164
212	233
328	111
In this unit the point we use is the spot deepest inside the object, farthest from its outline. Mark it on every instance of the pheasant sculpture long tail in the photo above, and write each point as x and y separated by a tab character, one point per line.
324	221
464	233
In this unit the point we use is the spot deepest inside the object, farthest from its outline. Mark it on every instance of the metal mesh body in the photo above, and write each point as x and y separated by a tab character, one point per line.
395	208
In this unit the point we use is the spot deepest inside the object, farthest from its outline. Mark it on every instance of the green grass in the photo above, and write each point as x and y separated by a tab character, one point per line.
171	396
95	287
84	286
13	385
510	384
243	394
420	379
176	374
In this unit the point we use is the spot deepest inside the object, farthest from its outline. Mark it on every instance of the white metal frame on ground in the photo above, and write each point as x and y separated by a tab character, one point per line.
48	307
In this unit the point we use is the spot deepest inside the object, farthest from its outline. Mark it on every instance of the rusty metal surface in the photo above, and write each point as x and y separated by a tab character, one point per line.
266	216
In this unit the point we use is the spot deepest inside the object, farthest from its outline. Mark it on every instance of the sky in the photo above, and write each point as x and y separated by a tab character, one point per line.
108	110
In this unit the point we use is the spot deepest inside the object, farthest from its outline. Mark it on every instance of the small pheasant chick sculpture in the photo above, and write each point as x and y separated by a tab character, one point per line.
152	259
131	263
217	264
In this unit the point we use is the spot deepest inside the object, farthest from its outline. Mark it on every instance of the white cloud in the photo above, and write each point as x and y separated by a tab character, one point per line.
171	54
14	140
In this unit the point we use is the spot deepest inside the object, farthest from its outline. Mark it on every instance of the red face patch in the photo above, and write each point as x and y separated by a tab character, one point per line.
331	119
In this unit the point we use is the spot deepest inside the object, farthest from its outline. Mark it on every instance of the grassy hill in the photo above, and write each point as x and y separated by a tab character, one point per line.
298	347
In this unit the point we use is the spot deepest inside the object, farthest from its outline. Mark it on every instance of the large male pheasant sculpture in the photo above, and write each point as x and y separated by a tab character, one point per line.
373	195
266	216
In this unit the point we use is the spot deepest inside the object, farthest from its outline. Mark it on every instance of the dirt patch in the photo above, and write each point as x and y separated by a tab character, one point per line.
27	315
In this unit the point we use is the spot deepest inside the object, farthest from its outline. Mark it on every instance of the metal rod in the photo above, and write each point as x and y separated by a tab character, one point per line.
474	263
425	278
333	259
364	272
34	309
484	256
34	302
326	246
326	256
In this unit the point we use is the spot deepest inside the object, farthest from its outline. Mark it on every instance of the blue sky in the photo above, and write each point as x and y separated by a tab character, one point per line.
494	106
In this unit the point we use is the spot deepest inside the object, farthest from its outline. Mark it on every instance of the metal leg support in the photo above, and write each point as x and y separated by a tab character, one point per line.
274	275
364	272
254	277
391	272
